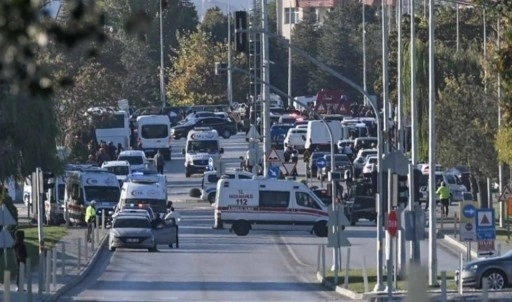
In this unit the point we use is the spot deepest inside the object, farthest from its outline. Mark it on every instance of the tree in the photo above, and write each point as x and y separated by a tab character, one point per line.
27	120
466	127
340	48
192	78
216	23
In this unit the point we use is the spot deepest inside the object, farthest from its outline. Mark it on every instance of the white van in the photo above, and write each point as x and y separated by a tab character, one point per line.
243	205
121	168
202	144
295	138
210	179
144	190
154	134
317	135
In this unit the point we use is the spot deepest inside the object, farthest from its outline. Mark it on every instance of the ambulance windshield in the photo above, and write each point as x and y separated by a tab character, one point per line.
102	194
211	146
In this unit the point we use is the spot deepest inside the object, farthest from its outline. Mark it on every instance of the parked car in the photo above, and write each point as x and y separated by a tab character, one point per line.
224	127
370	165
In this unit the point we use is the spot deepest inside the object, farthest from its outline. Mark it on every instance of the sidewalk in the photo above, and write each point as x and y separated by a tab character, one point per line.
68	267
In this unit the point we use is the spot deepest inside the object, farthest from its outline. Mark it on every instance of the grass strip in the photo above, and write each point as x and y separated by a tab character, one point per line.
356	281
52	235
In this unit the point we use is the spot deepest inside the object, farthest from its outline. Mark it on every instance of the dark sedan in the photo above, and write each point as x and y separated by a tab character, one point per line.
341	163
497	271
225	127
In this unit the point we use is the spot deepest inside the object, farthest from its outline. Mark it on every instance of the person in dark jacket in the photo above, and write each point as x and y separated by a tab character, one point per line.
20	249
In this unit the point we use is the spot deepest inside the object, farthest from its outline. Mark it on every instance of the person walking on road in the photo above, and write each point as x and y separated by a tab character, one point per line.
159	162
90	217
444	196
20	249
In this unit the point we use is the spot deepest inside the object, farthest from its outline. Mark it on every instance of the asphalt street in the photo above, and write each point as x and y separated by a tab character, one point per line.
216	265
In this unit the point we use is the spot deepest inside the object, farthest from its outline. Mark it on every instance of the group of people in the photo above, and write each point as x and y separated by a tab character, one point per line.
102	152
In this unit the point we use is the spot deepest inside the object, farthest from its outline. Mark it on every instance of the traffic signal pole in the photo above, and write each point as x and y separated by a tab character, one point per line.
265	77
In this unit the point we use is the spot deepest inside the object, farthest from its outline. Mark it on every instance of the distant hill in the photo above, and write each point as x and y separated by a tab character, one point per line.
203	5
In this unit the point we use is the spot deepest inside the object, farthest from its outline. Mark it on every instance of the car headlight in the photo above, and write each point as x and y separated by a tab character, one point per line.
472	267
110	212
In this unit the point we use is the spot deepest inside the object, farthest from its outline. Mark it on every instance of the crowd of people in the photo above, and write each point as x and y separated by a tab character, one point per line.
102	152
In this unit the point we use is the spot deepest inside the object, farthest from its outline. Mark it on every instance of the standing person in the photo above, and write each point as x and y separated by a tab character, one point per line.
90	217
20	250
159	162
172	217
444	196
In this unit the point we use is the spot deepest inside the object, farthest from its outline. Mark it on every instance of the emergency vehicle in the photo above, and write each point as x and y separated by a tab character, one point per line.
54	202
202	144
243	205
154	134
88	184
145	190
210	179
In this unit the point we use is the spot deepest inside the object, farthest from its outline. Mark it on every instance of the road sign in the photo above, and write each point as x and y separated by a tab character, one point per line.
486	247
485	228
6	217
273	157
320	163
414	225
507	192
467	229
289	167
392	225
211	164
336	237
306	156
273	171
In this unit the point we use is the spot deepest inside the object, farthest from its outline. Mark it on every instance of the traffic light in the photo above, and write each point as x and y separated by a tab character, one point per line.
403	190
416	185
48	180
241	38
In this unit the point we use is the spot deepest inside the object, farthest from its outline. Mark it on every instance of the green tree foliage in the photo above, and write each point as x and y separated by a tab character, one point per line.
306	36
27	120
340	47
216	23
466	125
192	78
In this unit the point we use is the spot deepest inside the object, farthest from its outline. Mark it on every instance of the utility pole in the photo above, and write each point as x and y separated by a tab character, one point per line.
265	91
290	100
230	83
484	21
380	197
364	53
500	164
414	123
400	112
432	238
162	87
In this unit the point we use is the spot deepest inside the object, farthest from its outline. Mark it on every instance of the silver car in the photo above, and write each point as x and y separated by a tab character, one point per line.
132	232
496	270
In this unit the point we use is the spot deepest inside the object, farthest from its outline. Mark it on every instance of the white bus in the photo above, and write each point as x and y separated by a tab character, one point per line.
111	126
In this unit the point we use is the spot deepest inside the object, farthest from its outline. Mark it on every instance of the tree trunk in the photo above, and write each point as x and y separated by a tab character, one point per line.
482	194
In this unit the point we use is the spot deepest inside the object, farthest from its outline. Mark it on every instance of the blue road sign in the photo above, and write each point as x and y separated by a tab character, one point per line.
211	165
273	172
485	228
469	211
320	162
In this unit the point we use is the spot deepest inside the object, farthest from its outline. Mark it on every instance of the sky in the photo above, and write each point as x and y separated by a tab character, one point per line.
203	5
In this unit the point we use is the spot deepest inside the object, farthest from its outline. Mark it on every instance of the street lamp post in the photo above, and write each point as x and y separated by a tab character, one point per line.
364	53
230	83
162	92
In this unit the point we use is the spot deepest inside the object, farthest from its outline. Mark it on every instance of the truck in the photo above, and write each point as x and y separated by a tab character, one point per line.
332	101
154	135
317	136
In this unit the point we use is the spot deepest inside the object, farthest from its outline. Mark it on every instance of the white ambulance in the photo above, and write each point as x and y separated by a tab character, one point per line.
154	134
144	190
202	144
270	204
210	179
85	185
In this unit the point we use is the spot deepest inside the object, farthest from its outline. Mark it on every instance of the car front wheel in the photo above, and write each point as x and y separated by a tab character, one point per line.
495	279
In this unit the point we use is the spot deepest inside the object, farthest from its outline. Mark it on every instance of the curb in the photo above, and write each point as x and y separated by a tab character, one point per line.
459	245
340	290
83	273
